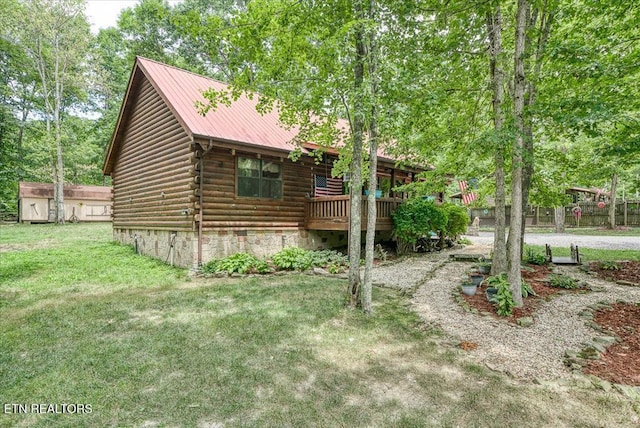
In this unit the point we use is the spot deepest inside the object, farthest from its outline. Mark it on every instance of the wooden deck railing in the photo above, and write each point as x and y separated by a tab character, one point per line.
332	213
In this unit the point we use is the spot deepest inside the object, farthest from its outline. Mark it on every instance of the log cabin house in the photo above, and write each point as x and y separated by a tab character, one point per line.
189	188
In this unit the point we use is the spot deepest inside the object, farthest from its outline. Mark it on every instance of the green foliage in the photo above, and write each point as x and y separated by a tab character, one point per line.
292	258
609	265
504	299
415	219
534	257
527	290
563	281
457	220
236	263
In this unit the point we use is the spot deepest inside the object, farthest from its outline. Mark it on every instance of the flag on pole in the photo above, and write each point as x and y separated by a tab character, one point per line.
467	195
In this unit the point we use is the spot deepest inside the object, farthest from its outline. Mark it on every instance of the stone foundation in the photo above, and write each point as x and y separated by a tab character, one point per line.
172	247
181	248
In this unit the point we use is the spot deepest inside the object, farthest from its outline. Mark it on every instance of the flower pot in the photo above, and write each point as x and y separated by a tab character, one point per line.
484	269
491	293
476	279
469	289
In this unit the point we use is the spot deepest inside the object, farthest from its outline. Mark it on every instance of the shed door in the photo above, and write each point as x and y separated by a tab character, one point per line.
52	211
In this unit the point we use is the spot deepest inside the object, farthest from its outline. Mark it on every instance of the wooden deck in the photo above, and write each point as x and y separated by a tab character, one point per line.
332	213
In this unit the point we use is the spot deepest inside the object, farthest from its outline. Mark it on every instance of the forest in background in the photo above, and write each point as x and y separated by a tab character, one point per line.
62	86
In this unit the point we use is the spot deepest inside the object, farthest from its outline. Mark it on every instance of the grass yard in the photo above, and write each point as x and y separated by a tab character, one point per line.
86	321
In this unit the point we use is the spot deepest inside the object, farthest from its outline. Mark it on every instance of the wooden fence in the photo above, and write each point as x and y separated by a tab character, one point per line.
627	214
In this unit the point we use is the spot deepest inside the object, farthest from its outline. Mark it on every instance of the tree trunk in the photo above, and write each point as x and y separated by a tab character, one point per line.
494	31
612	201
355	191
546	19
58	184
373	169
516	224
558	214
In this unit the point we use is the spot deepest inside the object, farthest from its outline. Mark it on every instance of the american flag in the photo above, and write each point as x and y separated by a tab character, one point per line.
327	186
467	195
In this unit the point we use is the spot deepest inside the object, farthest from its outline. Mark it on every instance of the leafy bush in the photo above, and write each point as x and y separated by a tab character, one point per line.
324	258
610	265
527	290
504	298
562	281
239	262
292	258
533	257
457	220
415	219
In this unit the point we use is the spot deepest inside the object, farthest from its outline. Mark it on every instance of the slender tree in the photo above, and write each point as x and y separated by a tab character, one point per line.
56	42
494	32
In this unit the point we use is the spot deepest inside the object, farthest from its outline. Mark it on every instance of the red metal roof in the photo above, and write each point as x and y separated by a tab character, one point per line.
238	122
45	190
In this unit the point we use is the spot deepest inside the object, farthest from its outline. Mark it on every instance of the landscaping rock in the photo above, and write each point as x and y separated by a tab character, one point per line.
605	340
632	392
320	271
525	321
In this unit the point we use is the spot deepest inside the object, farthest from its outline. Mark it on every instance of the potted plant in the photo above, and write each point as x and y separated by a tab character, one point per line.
468	288
476	278
484	266
493	284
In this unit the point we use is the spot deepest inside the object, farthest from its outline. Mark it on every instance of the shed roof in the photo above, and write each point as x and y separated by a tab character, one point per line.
238	122
45	190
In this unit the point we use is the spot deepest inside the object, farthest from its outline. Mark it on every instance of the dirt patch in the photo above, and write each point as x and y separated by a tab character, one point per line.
620	364
617	271
533	275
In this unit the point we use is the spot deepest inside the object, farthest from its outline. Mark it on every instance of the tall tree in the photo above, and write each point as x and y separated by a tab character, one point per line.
494	32
517	160
316	60
56	42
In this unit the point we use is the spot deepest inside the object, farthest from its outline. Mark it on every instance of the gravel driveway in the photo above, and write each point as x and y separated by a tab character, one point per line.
566	239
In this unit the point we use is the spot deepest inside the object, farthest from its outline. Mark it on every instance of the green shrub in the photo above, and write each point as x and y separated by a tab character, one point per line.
562	281
609	265
414	219
504	299
533	257
457	220
324	258
236	263
292	258
527	290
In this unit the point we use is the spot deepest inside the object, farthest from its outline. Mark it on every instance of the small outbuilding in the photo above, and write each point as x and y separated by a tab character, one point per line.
81	203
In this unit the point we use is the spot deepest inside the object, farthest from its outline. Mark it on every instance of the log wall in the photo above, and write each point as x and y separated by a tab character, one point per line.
224	209
153	174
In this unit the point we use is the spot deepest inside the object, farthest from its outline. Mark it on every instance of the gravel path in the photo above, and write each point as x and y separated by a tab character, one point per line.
524	352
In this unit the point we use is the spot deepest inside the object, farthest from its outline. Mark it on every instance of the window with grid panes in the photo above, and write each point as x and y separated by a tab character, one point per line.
259	178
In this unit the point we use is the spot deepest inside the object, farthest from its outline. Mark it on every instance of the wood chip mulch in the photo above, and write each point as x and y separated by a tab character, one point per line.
621	362
536	277
628	271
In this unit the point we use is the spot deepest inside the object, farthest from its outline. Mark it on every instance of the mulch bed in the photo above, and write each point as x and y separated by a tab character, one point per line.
628	271
536	277
620	364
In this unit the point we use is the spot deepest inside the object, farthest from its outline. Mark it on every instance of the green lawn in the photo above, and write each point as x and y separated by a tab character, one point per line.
88	321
